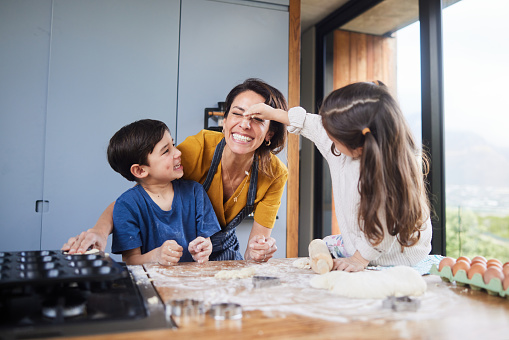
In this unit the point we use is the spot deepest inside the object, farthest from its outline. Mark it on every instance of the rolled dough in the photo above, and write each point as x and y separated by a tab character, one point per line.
395	281
235	274
302	263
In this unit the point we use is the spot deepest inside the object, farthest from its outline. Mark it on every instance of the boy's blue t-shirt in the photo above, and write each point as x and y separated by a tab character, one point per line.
139	222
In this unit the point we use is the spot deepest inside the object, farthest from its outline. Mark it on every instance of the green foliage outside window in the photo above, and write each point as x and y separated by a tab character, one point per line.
470	234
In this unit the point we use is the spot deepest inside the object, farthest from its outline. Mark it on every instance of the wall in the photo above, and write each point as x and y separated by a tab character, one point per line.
73	72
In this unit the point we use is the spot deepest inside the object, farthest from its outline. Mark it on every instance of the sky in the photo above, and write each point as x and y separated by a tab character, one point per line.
476	70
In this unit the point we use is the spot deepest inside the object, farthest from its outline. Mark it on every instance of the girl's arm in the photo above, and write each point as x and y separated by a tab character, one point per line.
355	263
298	121
166	255
96	237
264	111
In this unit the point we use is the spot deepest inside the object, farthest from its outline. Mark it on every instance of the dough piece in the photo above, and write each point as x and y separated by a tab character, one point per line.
319	256
302	263
395	281
235	274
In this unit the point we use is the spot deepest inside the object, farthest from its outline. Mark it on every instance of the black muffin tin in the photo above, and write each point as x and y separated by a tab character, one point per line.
53	266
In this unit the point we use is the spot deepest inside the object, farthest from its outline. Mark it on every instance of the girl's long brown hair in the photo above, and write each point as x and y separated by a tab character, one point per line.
391	182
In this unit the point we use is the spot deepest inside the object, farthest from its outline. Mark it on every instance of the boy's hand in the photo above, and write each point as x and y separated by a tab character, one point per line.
261	249
264	111
169	253
355	263
200	249
87	239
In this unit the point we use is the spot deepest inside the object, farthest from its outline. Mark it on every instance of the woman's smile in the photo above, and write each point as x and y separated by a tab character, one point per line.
241	138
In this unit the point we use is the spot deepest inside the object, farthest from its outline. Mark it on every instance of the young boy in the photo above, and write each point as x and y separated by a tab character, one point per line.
162	219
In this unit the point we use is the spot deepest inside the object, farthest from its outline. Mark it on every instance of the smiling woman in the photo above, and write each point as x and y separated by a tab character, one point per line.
253	179
240	158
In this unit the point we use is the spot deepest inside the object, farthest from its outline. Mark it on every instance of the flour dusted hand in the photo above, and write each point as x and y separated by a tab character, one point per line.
200	249
169	253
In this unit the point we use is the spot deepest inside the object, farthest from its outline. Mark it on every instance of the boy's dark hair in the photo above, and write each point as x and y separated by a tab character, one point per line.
133	143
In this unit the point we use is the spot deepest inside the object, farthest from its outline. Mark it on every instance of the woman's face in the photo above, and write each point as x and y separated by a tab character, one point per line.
242	134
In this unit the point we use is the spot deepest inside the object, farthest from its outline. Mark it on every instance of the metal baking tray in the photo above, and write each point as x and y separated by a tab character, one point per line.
53	266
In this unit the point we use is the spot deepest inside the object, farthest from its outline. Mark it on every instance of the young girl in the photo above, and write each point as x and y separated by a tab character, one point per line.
377	179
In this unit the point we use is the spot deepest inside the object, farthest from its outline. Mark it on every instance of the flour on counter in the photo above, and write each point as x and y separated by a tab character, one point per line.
294	295
236	273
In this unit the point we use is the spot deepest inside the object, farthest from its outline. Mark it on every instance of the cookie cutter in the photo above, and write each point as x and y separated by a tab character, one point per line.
265	281
186	307
401	304
226	311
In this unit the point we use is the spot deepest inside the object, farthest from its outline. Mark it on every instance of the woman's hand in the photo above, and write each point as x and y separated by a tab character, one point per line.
91	238
169	253
200	249
355	263
96	237
264	111
261	249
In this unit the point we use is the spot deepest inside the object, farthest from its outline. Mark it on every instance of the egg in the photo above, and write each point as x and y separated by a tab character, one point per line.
460	264
476	268
505	283
446	262
481	259
492	273
464	258
505	269
494	261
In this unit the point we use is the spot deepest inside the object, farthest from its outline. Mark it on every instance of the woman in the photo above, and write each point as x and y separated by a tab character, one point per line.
238	169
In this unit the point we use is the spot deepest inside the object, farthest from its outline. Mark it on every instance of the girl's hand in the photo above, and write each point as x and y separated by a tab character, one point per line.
261	249
266	112
355	263
90	239
169	253
200	249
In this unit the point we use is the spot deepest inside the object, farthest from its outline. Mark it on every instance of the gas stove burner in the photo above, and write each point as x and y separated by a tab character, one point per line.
36	266
47	294
65	304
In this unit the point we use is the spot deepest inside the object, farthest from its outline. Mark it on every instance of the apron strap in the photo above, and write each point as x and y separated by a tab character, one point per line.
213	166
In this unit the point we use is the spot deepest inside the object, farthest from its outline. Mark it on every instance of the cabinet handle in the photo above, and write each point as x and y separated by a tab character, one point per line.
41	206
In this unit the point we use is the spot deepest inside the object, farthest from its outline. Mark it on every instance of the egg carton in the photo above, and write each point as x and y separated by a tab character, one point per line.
476	282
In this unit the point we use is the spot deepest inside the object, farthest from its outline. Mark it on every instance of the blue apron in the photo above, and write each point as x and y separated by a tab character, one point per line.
225	245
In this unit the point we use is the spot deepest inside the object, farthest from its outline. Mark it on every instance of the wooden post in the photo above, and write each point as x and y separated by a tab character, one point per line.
292	211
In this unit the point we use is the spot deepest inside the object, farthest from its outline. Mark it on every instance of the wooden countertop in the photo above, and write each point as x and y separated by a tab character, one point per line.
294	310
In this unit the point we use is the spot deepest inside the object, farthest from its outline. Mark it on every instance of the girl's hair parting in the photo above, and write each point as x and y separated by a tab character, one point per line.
391	182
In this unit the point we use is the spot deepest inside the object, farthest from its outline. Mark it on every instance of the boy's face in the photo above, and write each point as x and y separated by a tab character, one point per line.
164	163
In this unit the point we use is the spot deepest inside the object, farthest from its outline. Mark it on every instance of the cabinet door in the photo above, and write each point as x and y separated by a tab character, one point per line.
24	50
221	45
112	62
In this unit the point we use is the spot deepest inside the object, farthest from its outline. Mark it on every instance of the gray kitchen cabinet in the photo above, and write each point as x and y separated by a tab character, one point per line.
77	72
24	51
72	72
